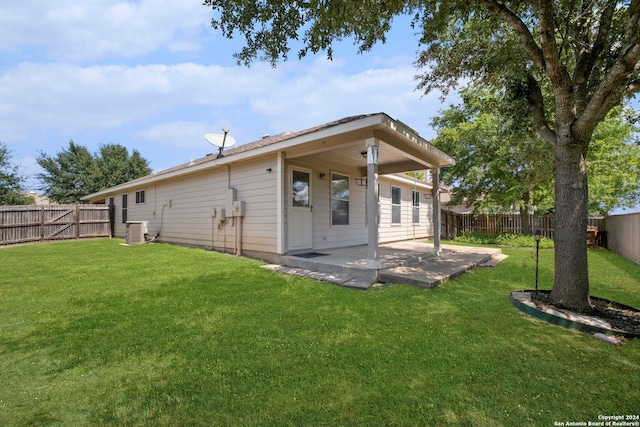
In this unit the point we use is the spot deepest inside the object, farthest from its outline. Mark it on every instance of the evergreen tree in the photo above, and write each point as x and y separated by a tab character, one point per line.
11	181
75	172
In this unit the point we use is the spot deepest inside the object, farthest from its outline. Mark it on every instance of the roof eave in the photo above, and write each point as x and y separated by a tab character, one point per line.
405	138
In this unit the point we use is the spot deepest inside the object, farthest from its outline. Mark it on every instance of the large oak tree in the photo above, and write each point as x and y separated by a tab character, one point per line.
585	51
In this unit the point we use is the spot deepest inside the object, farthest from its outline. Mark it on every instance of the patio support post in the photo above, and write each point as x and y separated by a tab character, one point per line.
280	197
435	193
373	213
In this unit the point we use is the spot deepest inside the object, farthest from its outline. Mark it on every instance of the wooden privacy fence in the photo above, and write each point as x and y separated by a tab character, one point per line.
454	224
29	224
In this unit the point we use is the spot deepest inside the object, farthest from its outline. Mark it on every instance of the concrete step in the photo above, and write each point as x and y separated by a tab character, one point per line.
340	279
495	260
438	269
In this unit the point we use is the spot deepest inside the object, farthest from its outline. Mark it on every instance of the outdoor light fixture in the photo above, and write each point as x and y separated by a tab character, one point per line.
537	236
361	182
363	154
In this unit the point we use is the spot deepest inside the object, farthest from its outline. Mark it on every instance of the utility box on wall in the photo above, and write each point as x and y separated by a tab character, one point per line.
238	208
229	197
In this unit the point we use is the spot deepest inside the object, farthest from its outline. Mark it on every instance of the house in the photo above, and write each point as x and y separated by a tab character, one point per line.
39	199
340	184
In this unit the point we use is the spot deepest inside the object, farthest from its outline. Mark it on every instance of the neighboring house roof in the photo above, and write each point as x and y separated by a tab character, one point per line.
415	150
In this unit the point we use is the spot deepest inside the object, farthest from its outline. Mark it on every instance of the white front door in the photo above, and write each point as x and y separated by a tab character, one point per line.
300	216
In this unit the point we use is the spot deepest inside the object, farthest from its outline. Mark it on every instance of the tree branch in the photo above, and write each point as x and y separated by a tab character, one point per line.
621	76
586	56
557	72
535	102
529	43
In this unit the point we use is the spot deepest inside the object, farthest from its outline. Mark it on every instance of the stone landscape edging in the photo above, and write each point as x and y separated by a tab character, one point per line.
584	323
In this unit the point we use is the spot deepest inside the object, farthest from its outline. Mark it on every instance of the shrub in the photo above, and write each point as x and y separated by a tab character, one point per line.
507	239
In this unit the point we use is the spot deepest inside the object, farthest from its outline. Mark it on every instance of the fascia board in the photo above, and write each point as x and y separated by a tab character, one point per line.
410	142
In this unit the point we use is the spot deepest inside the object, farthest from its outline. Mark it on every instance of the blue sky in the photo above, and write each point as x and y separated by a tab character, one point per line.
152	75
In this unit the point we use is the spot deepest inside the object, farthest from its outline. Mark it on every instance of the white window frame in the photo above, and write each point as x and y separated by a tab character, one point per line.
125	206
396	206
140	197
344	199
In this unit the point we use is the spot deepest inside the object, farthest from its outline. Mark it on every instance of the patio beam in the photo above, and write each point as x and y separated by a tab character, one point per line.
373	212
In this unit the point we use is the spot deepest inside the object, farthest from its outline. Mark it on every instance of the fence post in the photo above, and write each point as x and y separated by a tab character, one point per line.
77	222
42	224
112	219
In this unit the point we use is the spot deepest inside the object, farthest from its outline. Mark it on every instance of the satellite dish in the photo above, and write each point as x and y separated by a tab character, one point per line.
220	140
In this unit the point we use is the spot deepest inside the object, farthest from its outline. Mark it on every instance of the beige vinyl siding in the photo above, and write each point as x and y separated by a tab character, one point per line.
184	207
389	232
193	198
135	212
326	235
258	189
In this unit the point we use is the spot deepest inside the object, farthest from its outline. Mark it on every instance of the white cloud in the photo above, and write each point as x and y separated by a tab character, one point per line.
81	30
328	92
70	98
176	134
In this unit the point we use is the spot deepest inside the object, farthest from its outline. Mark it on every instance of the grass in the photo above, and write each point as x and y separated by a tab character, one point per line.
95	333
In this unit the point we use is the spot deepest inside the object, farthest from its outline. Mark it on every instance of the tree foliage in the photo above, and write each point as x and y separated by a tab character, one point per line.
614	164
586	52
11	181
74	172
499	163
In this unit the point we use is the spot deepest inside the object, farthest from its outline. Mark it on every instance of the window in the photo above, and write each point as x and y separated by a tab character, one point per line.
139	197
416	206
396	198
124	208
339	199
300	189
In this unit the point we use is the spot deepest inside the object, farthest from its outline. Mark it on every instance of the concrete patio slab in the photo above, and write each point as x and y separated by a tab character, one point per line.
407	262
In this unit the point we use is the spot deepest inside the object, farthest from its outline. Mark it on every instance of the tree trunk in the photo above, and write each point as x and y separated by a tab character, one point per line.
571	281
525	218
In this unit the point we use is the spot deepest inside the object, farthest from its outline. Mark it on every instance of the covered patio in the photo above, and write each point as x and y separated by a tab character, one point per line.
375	145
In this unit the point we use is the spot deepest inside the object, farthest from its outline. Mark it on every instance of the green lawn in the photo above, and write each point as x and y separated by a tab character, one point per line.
96	333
